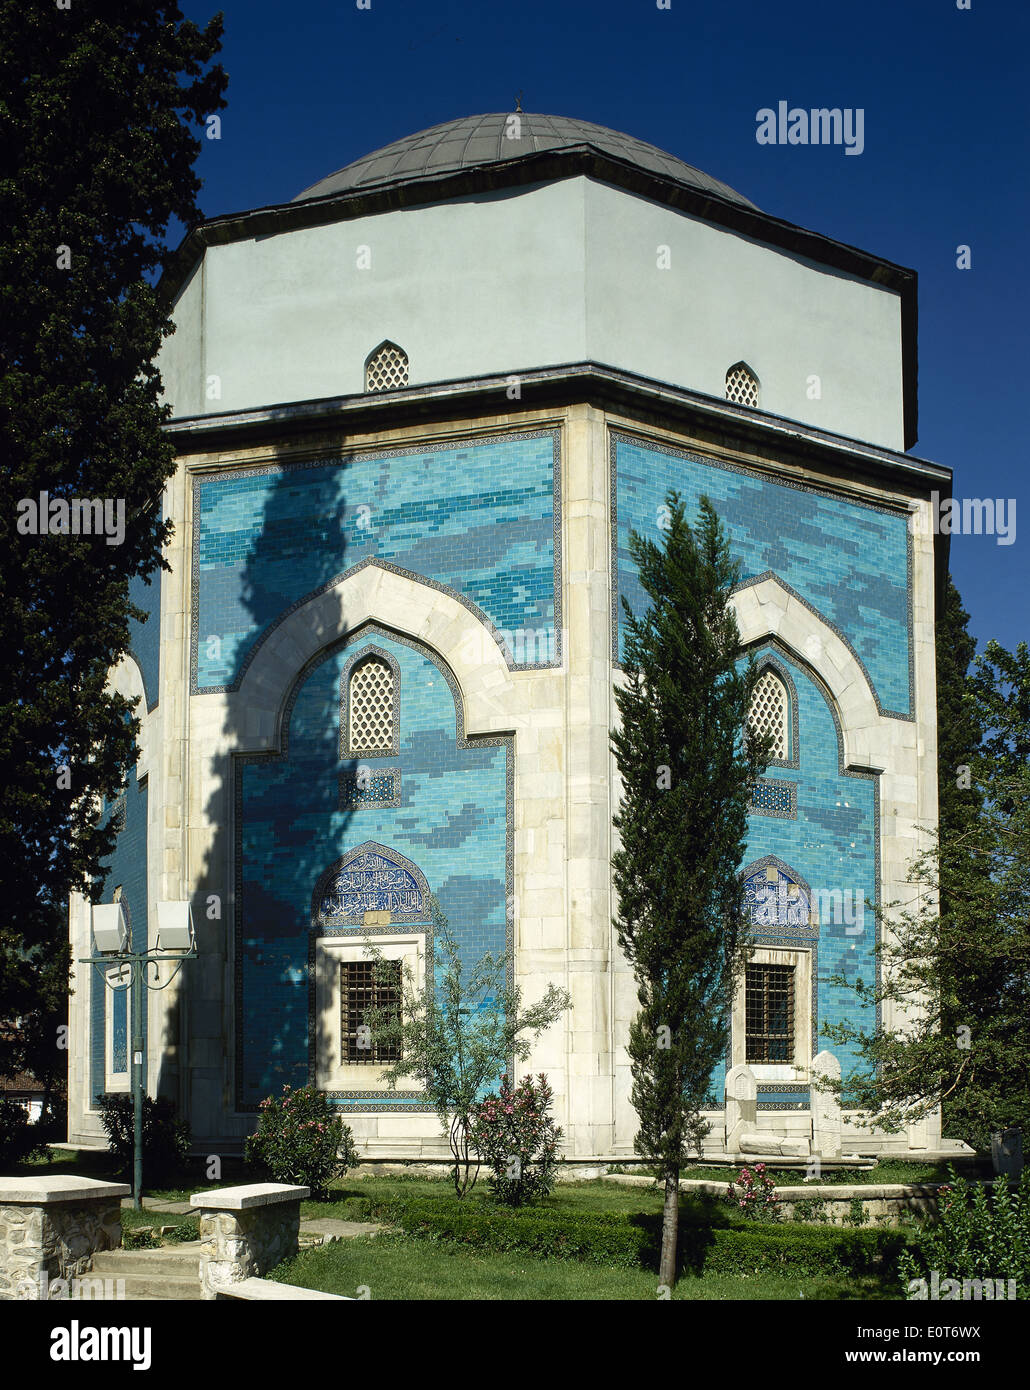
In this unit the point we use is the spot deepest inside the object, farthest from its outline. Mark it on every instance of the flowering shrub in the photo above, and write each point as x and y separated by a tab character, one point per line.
301	1139
515	1134
756	1196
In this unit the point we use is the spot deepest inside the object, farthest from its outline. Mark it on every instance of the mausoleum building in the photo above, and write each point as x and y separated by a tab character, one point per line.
418	410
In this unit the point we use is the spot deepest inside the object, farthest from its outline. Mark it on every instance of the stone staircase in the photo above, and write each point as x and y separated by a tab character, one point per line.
168	1272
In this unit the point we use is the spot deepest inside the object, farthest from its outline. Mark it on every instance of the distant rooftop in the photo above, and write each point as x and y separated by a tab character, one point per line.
475	141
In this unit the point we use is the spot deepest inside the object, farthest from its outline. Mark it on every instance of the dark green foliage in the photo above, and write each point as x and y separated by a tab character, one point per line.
166	1139
966	1046
301	1139
981	1232
139	1238
959	717
97	149
18	1138
687	768
633	1241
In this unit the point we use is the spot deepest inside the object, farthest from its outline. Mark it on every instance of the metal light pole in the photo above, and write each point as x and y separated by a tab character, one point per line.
110	932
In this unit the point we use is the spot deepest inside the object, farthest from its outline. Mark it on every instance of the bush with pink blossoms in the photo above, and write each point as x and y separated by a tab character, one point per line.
756	1196
301	1139
514	1133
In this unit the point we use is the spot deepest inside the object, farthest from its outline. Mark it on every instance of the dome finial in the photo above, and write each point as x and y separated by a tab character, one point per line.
518	105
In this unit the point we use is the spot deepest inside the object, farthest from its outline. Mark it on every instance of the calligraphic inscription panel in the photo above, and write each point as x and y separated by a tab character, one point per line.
371	883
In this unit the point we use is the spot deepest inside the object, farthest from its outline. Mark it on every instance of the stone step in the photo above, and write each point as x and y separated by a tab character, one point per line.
175	1260
164	1286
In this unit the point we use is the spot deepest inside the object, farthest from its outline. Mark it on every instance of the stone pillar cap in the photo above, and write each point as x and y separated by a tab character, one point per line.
57	1188
255	1194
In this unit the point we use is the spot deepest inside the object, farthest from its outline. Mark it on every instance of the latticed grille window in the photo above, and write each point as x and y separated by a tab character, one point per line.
360	992
370	718
769	1013
741	385
770	713
386	369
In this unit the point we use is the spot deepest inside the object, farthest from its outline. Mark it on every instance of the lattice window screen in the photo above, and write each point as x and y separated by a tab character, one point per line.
769	1013
361	991
770	711
741	385
371	708
387	369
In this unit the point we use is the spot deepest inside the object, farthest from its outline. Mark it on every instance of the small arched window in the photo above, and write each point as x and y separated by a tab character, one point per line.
770	713
370	713
742	385
386	369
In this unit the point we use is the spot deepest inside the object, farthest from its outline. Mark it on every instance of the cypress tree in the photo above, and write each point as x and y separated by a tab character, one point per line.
687	767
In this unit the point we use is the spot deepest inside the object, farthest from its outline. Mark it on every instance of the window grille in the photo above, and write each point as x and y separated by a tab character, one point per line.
742	385
370	718
770	712
361	992
386	369
769	1013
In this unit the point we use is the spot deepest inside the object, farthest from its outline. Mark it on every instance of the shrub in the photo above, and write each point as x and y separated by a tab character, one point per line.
166	1139
139	1238
624	1241
515	1134
756	1197
981	1232
52	1125
301	1139
18	1138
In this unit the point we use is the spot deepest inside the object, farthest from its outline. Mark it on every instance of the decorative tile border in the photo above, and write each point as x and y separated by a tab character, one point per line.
197	480
782	1088
239	760
617	436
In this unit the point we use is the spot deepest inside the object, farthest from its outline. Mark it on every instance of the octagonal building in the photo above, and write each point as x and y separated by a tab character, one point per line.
418	410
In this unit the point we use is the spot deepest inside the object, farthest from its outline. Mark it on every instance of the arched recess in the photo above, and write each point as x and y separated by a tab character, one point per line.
399	602
767	608
127	680
782	913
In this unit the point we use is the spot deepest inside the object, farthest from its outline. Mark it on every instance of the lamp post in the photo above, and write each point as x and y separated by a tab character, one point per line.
175	942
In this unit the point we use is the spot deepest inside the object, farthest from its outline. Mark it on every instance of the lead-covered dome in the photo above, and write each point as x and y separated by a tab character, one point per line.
475	141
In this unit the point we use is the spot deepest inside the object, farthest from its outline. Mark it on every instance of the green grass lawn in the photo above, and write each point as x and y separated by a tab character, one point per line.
398	1267
416	1264
401	1266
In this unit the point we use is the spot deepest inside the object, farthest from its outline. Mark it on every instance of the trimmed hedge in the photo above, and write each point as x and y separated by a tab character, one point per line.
632	1242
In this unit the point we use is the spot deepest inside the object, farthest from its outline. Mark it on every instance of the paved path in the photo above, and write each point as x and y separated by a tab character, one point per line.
153	1204
330	1229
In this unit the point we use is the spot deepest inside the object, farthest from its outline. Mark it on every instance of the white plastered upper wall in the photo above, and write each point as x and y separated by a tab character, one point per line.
562	272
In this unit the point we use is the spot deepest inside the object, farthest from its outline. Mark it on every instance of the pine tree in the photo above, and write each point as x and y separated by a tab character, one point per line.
96	158
687	767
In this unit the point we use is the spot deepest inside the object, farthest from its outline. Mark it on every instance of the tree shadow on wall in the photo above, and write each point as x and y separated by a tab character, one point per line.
274	811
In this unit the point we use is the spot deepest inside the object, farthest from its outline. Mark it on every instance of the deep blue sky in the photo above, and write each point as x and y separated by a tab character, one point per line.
313	86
